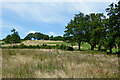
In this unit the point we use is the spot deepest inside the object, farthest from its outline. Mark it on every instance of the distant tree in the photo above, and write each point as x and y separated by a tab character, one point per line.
8	39
51	37
29	36
13	38
36	36
46	37
60	38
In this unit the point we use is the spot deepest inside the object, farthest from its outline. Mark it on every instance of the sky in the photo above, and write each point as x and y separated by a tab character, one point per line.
45	17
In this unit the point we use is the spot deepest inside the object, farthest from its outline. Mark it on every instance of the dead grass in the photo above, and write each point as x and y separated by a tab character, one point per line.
35	42
41	63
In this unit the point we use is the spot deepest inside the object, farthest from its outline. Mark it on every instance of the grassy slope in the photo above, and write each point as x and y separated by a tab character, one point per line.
84	46
30	63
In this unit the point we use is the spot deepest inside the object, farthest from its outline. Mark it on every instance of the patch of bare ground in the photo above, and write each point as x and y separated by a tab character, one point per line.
35	42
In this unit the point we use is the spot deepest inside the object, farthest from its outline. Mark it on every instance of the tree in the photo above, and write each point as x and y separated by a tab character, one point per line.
13	38
29	36
114	25
46	37
36	36
94	29
8	39
51	37
75	30
60	38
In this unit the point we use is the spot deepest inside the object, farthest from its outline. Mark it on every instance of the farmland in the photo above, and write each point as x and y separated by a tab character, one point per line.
52	63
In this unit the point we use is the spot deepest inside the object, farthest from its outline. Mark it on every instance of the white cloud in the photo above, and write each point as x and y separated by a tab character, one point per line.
31	32
47	12
39	12
50	12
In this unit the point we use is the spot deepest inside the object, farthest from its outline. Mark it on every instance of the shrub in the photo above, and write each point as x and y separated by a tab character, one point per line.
37	46
62	47
69	48
22	45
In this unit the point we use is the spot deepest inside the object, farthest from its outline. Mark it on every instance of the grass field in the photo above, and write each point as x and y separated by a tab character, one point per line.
51	63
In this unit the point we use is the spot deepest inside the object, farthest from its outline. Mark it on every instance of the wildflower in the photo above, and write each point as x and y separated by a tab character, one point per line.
107	73
91	71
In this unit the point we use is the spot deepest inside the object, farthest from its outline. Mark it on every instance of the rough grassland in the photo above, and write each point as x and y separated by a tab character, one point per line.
44	63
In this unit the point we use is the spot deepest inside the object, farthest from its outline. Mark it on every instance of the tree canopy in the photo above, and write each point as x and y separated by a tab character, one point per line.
96	29
13	38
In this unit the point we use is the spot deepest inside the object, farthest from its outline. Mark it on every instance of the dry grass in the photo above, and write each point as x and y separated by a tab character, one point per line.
51	63
36	42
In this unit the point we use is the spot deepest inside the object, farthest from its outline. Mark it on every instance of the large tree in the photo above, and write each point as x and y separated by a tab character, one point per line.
75	30
114	25
94	29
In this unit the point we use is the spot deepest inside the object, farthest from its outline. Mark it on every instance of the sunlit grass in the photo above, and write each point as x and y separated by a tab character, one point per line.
51	63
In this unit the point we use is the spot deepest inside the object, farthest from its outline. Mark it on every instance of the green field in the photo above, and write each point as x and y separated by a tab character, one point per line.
51	63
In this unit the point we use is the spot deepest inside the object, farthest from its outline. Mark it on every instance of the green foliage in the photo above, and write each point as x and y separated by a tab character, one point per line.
96	29
51	37
44	46
114	26
69	48
58	38
8	39
36	36
13	38
75	30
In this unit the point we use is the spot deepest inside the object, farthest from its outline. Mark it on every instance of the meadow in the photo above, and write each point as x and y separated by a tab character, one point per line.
56	63
52	63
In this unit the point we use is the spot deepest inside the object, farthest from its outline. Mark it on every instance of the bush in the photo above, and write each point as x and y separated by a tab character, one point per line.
22	45
63	47
69	48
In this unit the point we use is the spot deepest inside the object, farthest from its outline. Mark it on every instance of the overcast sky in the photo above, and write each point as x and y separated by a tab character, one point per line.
46	17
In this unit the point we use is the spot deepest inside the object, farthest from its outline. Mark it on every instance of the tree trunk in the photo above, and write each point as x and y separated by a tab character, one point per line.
99	48
115	46
92	47
110	49
119	48
79	45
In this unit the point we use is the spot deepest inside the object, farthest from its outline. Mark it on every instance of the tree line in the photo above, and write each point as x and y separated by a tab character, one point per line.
15	38
96	29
